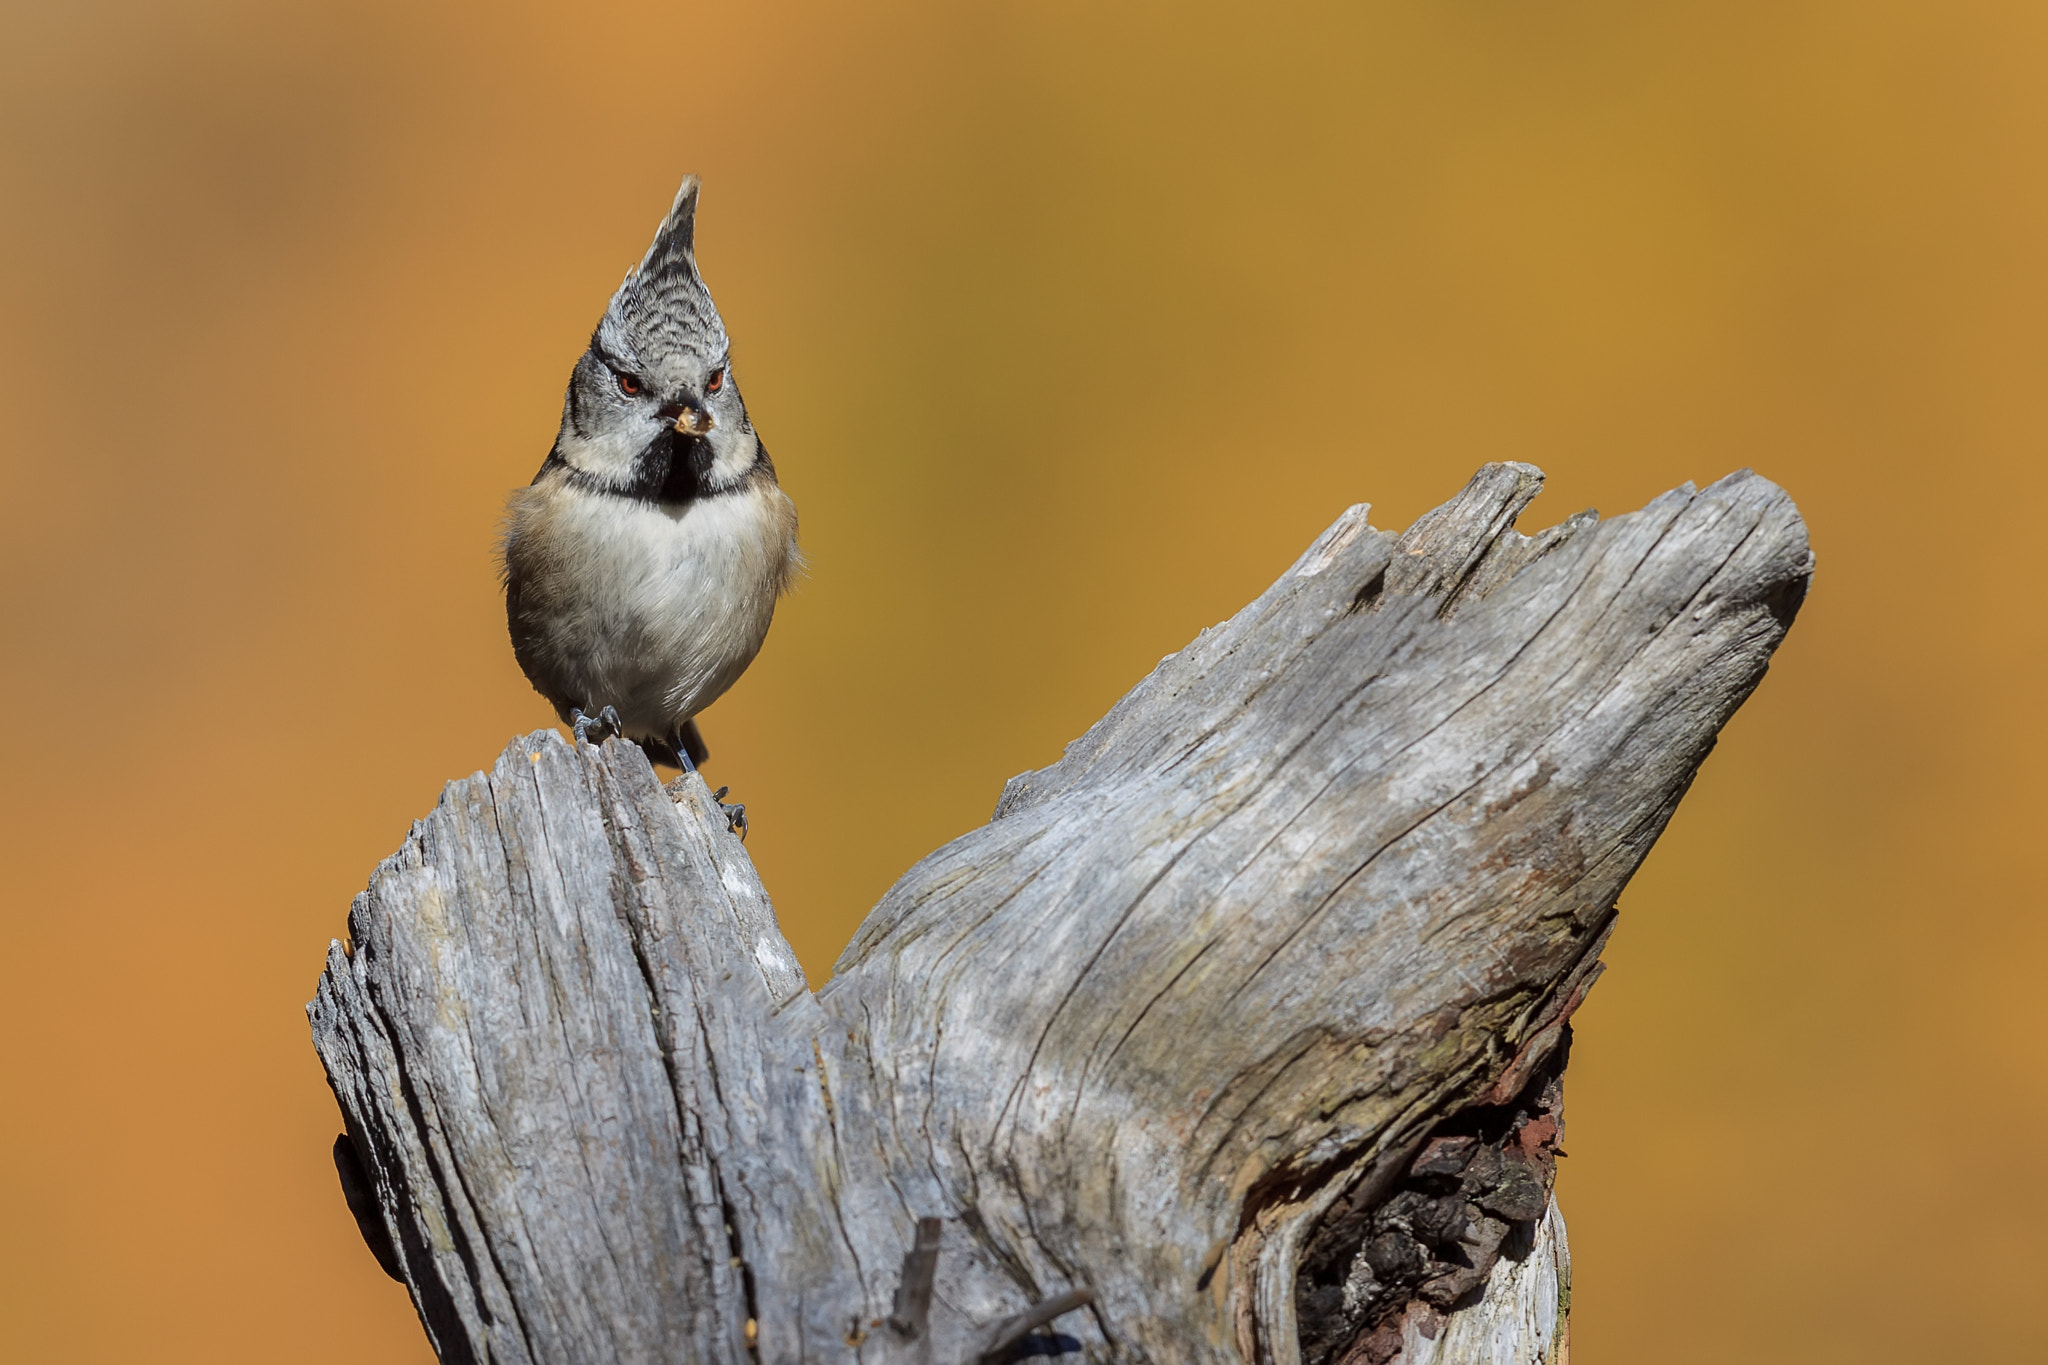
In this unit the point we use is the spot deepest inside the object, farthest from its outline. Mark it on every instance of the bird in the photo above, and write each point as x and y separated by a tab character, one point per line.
642	565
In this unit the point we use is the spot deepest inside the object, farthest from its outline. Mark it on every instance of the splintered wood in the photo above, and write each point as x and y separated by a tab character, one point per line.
1235	1036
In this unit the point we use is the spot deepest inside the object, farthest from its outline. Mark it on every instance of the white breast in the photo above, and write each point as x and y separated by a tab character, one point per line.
653	609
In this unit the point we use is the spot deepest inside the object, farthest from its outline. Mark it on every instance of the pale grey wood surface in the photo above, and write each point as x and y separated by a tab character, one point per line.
1333	874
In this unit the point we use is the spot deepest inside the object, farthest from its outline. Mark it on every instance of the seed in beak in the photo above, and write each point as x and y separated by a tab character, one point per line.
691	420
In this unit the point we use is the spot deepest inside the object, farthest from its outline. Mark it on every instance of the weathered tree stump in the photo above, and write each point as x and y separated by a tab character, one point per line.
1236	1035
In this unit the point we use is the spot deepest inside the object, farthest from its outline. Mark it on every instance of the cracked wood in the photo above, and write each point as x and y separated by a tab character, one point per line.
1333	874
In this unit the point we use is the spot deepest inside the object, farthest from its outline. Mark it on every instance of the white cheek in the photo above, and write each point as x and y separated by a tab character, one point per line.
610	445
733	456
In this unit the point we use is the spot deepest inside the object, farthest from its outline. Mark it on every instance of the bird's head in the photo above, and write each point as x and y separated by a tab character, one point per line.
652	406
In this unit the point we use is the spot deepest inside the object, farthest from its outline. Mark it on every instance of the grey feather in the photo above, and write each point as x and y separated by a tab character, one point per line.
662	311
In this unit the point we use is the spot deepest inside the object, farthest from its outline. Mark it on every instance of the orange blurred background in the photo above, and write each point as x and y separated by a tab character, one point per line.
1068	328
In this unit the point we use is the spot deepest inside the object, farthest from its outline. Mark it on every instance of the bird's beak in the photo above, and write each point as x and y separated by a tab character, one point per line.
691	419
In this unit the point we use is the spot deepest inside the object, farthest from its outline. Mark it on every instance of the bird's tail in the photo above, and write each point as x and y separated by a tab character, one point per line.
686	749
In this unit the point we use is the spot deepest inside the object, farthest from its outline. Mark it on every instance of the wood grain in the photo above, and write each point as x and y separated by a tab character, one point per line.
1332	876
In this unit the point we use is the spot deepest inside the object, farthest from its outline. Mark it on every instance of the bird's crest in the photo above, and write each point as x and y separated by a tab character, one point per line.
662	310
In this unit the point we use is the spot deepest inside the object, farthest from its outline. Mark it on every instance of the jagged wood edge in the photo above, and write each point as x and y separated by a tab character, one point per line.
744	1137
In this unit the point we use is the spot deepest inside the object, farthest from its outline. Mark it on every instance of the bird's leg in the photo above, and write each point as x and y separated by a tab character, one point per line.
735	813
606	722
690	744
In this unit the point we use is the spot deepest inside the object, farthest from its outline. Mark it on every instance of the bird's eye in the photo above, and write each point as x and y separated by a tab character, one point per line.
628	385
717	380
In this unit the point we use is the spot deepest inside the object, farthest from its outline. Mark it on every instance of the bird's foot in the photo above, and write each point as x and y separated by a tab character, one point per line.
735	813
606	723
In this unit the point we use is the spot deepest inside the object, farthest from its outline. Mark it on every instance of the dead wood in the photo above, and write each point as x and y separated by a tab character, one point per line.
1237	1034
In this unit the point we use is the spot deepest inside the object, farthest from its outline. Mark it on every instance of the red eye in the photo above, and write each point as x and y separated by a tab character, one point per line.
628	385
717	380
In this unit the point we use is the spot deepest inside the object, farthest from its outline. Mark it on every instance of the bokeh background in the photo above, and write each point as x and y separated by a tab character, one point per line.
1069	326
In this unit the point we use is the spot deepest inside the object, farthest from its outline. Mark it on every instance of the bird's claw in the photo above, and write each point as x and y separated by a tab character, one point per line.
606	722
735	813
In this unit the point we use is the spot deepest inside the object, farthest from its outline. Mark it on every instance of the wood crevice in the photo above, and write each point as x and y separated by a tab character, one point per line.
1195	1026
